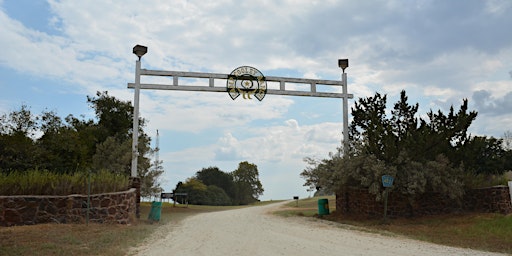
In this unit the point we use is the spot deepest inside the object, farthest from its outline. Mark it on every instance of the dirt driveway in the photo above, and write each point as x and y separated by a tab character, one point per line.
253	231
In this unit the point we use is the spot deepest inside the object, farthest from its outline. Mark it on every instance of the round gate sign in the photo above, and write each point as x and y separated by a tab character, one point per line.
247	81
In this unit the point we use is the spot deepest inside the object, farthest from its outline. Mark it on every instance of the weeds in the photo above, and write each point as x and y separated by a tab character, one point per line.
40	182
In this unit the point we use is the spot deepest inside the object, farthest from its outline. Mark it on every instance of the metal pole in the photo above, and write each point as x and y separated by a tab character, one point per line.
88	198
345	112
385	205
135	138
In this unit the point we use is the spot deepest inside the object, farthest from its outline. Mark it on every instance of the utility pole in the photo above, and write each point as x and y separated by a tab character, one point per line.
157	148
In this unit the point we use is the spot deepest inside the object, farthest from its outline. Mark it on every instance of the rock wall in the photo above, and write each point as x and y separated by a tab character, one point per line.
358	201
116	207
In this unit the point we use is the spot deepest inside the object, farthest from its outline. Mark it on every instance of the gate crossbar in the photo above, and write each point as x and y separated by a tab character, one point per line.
212	88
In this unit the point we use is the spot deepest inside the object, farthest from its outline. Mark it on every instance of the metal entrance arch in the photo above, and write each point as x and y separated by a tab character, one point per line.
176	75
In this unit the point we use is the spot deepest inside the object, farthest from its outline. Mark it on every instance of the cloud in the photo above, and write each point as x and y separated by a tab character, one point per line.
279	143
494	106
229	149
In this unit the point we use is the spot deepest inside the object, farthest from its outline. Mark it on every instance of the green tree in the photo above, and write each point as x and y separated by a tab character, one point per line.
20	121
17	146
318	173
422	155
59	148
247	184
208	187
114	116
217	196
213	176
483	155
195	189
114	156
150	179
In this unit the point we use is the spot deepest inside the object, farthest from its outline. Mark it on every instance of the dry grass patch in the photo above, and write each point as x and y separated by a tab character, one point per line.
92	239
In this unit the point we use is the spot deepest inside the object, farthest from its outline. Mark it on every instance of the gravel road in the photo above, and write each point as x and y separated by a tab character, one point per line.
254	231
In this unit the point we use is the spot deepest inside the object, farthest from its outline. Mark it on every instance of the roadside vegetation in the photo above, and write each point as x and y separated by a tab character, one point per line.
38	182
37	148
432	153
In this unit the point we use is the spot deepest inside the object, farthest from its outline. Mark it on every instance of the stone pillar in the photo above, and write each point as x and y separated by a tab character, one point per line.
135	183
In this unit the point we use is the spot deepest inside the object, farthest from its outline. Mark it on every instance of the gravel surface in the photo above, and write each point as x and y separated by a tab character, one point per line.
254	231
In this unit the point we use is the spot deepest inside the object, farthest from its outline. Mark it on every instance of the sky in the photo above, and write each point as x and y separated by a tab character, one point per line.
56	53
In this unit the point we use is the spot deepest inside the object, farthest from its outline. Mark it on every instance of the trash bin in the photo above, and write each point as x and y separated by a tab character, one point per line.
154	213
323	206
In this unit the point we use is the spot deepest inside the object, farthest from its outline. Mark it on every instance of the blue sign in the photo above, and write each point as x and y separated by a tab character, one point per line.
387	181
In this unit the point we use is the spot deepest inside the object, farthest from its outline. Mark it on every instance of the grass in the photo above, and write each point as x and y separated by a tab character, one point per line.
306	207
94	239
41	182
479	231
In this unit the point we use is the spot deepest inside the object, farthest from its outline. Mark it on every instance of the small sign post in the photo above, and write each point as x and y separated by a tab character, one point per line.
296	198
387	182
166	196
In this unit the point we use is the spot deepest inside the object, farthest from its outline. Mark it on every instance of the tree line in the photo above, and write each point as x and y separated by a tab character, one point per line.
211	186
71	144
434	153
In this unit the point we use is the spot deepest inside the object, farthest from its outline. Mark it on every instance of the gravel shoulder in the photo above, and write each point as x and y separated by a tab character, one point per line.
255	231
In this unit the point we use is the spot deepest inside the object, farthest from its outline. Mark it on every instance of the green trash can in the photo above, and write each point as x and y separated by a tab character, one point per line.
154	213
323	207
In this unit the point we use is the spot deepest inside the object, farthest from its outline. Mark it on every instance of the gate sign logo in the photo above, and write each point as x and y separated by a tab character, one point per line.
247	81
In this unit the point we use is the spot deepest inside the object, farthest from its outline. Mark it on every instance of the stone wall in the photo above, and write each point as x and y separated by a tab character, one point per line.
358	201
116	207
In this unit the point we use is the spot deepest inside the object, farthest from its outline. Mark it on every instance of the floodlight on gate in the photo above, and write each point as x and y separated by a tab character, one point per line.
343	64
140	50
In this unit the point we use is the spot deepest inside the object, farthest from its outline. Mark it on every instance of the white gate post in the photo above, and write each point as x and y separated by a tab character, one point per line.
138	50
345	114
135	131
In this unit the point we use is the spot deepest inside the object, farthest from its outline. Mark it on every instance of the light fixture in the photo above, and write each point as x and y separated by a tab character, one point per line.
140	50
343	64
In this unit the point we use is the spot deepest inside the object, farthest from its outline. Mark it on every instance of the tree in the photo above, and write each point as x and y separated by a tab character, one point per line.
213	176
114	156
150	179
20	121
483	155
318	173
370	126
114	116
422	155
17	147
201	194
60	147
247	184
74	144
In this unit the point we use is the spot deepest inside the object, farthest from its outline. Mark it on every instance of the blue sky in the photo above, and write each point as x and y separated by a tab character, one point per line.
55	53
